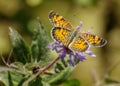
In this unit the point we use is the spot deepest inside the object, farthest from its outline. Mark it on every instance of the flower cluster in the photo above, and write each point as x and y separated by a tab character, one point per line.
64	51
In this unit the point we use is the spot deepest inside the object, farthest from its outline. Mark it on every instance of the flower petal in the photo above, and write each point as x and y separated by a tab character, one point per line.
70	60
78	27
90	53
80	56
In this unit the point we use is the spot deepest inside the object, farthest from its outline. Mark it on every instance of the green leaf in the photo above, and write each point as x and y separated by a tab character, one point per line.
62	71
59	77
45	84
22	81
10	82
35	49
10	78
4	78
36	82
20	48
58	68
73	82
39	42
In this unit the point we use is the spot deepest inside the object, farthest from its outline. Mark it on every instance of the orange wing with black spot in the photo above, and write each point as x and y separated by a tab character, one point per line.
59	21
61	34
79	44
94	39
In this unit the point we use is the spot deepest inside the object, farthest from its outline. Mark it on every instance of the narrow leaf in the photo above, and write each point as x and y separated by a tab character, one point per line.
59	77
39	43
20	49
72	82
36	82
10	82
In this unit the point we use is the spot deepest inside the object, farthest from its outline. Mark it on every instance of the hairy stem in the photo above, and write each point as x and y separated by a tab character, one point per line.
41	70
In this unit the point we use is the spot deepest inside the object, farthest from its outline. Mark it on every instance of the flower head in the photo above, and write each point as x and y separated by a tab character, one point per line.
63	51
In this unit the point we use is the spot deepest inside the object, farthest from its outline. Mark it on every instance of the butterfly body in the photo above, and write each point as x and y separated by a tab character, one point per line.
71	37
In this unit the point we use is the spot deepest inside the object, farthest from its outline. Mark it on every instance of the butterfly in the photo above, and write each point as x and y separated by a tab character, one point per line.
70	37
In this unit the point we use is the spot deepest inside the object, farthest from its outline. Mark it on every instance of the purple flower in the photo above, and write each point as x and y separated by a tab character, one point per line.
63	51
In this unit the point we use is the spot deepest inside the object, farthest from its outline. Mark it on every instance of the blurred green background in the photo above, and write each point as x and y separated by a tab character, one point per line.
102	17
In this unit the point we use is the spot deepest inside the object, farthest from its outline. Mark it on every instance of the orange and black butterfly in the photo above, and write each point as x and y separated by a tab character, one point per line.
70	37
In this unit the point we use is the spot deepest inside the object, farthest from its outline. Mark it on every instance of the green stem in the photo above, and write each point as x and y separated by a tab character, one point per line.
41	70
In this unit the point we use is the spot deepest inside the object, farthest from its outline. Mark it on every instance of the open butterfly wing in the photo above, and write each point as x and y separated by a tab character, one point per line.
94	39
61	34
59	21
78	44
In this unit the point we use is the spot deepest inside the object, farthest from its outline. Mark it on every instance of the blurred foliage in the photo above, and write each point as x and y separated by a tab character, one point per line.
86	2
27	58
103	15
72	82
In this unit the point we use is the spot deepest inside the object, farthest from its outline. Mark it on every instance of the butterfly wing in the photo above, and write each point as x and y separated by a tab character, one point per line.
59	21
61	34
79	44
94	39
